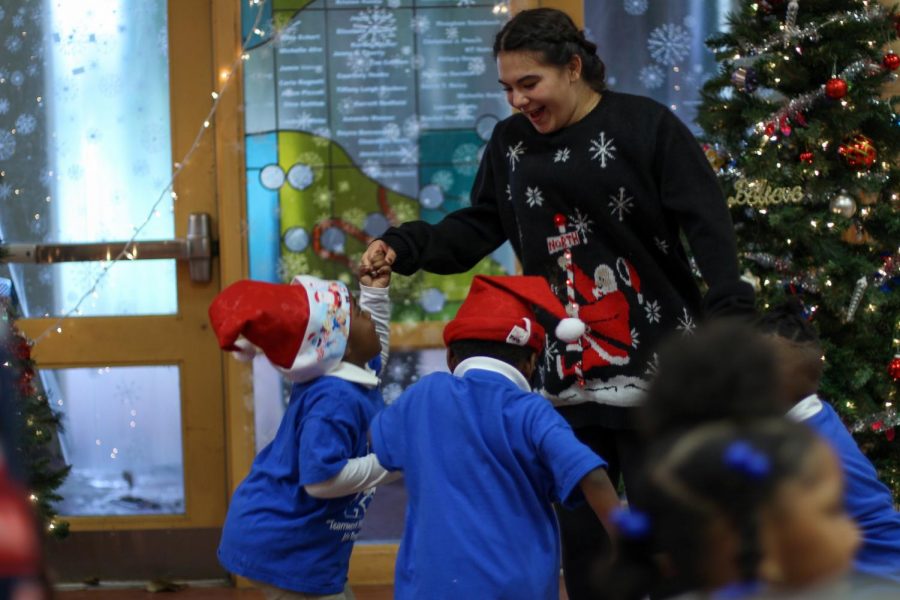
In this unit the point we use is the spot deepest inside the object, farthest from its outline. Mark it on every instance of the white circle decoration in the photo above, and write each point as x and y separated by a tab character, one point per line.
296	239
431	196
272	177
300	176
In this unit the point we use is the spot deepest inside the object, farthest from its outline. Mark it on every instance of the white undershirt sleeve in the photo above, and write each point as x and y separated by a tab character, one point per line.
358	474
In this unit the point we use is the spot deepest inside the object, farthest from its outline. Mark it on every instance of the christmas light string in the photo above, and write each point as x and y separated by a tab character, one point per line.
179	167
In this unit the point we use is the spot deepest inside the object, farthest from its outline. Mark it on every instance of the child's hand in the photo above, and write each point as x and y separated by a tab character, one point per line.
376	272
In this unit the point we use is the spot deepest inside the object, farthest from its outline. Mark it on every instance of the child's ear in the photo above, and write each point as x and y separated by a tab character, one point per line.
452	359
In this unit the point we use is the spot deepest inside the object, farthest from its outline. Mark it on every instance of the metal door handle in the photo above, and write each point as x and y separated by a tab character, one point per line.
197	248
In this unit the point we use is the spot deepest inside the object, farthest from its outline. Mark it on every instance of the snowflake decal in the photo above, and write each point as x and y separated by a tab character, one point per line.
358	62
669	44
322	198
663	245
686	323
412	127
443	179
452	33
582	224
652	77
291	264
476	65
375	28
653	311
372	169
393	3
391	132
17	79
5	191
25	124
4	106
13	43
534	197
620	205
465	3
635	7
420	24
562	155
7	145
602	149
464	112
635	342
409	154
304	121
514	153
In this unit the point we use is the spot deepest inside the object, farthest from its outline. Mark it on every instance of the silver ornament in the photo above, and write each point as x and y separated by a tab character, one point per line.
843	204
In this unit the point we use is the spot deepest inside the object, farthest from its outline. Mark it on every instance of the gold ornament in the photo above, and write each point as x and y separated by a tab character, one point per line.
758	192
856	235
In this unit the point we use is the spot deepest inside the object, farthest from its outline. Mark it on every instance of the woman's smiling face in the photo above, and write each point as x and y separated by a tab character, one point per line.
546	94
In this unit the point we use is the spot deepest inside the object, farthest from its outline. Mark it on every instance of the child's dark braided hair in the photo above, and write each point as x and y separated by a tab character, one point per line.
721	471
788	320
554	35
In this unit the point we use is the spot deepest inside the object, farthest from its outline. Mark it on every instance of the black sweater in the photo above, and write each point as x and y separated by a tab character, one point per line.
629	179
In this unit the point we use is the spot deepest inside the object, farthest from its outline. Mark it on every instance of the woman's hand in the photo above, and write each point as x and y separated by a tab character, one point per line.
378	256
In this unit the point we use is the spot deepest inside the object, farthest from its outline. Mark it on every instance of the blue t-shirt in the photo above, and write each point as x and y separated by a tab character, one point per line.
277	533
868	500
483	460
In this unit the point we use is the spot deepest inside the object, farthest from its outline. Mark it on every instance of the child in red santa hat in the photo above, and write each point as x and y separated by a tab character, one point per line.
292	522
484	457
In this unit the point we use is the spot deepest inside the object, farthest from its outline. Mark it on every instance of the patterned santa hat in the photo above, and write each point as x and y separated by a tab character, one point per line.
302	328
498	308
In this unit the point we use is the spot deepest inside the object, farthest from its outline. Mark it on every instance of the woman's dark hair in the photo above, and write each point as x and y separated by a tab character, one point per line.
720	472
508	353
554	35
725	370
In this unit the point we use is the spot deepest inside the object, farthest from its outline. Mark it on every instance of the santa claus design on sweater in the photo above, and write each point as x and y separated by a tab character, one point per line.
604	310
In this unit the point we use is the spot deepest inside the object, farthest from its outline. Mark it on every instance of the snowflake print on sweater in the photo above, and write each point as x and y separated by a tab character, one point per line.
620	205
602	149
562	155
514	153
653	311
686	323
533	197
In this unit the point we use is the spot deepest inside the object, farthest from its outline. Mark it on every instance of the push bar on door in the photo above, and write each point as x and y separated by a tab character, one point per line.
197	248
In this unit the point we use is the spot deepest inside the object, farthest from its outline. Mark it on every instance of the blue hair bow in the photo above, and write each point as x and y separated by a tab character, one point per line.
631	524
741	457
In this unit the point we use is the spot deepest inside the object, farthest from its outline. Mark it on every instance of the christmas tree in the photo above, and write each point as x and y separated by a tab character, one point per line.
29	424
798	126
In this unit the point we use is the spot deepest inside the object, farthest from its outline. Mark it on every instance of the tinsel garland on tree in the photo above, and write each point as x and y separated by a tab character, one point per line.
37	426
807	150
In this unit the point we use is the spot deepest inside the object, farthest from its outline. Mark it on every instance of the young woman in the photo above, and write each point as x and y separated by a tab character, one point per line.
594	189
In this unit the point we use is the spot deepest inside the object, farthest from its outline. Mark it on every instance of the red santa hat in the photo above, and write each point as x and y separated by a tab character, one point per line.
498	308
302	328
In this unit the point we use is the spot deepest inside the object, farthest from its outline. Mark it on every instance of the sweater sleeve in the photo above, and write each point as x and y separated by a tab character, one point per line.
689	190
460	240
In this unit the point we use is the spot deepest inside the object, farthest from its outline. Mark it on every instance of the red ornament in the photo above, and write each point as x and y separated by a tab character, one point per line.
559	219
770	129
891	61
894	368
785	126
836	88
890	434
858	151
877	425
806	157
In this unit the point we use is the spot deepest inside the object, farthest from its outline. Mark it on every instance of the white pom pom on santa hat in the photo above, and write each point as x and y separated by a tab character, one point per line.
570	329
